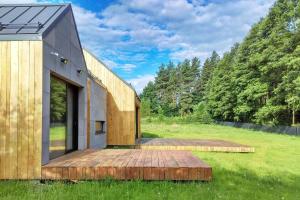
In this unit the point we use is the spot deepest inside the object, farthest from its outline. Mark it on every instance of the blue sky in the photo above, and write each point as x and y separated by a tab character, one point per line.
133	37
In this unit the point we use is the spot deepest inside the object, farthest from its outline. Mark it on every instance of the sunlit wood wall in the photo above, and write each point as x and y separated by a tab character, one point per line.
20	109
121	103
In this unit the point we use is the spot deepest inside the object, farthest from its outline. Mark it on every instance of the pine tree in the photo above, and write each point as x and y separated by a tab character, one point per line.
186	98
205	75
220	97
250	92
195	71
149	94
173	90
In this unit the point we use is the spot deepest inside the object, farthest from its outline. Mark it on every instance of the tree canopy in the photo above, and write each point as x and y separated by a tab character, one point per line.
257	81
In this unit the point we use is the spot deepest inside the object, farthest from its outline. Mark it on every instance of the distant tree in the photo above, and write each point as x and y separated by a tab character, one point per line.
202	84
58	99
145	108
161	85
256	81
149	94
262	64
172	90
291	83
249	89
188	77
195	71
220	96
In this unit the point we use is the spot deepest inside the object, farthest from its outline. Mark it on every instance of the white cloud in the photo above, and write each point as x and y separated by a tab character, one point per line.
128	67
92	34
128	30
185	28
140	82
109	63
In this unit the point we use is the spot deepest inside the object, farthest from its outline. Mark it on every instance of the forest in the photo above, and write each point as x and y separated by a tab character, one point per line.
257	81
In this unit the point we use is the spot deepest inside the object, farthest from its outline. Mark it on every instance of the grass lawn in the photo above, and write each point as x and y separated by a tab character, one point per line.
58	133
272	172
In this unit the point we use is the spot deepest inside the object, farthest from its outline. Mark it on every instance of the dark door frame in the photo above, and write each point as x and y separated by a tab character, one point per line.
75	116
136	122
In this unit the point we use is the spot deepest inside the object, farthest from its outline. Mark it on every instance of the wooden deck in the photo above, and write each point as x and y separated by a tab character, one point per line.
193	145
127	164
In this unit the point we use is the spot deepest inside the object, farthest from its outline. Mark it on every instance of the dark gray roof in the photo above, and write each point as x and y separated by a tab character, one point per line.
28	21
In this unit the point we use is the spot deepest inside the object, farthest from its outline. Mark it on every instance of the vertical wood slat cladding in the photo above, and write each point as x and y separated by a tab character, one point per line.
20	109
120	104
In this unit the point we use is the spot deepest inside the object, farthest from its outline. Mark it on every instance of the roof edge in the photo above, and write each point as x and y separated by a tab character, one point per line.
21	37
34	4
78	36
68	7
53	22
93	55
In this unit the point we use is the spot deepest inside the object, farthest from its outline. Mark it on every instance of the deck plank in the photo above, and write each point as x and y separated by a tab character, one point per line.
129	164
193	145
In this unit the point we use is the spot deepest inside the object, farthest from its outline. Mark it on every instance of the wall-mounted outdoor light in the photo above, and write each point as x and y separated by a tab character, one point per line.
64	60
79	71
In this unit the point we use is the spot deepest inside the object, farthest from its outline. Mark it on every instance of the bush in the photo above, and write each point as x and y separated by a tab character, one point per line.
160	113
145	108
200	114
270	115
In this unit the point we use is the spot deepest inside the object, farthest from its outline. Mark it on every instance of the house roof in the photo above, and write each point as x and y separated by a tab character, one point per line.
28	21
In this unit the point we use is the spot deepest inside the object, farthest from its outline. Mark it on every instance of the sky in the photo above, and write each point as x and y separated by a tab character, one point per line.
133	37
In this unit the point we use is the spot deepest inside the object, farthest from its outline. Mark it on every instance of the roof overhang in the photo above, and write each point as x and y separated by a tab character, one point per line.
21	37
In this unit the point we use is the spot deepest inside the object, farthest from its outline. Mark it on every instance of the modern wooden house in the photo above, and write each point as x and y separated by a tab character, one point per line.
54	98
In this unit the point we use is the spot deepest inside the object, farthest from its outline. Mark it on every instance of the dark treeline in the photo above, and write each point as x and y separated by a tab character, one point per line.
257	81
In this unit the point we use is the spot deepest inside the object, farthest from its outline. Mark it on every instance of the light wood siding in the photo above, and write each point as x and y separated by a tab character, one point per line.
120	104
20	109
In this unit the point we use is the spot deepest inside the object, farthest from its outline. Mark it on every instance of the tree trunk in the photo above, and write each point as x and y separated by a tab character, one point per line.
294	120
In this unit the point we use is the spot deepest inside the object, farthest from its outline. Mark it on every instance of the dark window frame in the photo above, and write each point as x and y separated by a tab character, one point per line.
101	130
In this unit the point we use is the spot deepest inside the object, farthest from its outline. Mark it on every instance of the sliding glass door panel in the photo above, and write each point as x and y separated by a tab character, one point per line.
63	118
58	117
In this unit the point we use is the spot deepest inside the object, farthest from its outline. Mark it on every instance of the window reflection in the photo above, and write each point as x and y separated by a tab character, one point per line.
58	117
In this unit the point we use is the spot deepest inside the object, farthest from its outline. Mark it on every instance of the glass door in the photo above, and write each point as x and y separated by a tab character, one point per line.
63	118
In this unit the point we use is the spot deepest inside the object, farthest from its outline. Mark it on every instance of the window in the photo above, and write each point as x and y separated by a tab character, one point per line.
99	127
